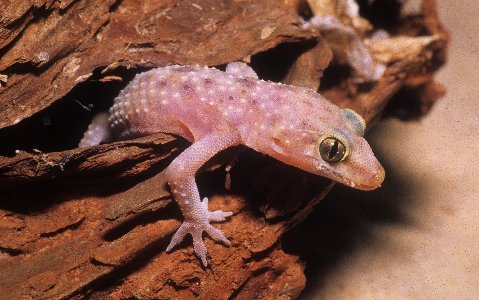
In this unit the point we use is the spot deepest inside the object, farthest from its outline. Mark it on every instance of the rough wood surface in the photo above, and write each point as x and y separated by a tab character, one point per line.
95	222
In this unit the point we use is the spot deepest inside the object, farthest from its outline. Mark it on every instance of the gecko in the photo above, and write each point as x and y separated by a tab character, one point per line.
215	110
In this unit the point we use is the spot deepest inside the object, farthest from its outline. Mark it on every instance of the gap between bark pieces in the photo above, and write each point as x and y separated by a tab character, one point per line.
100	163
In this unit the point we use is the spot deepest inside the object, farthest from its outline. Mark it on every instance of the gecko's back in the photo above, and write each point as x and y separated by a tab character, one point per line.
192	101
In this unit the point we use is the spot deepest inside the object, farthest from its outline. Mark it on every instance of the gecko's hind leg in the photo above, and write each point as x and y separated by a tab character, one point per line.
98	131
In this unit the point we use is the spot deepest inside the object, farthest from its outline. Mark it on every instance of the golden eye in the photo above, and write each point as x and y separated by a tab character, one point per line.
332	149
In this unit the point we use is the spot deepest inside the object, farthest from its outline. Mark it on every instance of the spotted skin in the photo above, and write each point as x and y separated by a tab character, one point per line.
216	110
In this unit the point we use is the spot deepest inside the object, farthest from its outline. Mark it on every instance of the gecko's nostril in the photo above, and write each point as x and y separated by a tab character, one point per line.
380	175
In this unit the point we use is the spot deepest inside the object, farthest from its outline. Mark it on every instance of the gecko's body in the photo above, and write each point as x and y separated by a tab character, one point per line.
215	110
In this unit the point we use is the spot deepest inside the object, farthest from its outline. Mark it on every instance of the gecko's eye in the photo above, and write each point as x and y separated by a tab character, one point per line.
332	149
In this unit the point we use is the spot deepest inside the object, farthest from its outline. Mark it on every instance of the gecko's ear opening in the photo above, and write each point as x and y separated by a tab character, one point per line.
354	121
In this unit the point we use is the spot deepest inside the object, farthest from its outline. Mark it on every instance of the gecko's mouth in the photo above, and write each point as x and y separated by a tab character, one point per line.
365	183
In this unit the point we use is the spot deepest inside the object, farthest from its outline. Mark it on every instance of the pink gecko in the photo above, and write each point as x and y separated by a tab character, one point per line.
215	110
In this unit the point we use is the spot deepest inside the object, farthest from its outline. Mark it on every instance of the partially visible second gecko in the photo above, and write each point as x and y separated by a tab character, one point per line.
215	110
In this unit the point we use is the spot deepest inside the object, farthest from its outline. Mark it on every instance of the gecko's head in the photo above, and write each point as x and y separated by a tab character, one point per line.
335	149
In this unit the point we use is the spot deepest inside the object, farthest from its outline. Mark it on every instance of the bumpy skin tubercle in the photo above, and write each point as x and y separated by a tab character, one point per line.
216	110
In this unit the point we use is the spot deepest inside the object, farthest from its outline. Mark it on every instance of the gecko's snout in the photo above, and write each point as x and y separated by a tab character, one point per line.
373	181
379	177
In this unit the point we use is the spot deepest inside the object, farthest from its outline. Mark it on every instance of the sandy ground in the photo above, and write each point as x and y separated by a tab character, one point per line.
418	236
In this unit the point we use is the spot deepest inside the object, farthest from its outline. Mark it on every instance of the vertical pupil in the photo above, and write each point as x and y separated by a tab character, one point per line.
334	150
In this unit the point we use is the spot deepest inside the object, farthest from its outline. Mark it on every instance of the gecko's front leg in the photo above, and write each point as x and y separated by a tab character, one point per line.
181	178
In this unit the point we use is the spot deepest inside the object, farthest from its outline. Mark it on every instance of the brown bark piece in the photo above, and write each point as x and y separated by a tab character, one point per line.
95	222
308	69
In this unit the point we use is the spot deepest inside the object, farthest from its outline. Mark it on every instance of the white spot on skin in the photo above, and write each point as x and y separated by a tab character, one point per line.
164	102
176	95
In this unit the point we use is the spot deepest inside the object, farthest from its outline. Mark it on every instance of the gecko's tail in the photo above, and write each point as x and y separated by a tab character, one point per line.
98	131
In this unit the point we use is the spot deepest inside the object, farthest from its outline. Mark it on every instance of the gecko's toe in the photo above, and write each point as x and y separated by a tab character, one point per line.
217	235
196	228
205	202
199	246
218	215
178	236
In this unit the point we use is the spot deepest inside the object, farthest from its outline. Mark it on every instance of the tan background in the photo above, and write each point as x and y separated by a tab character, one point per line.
426	246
